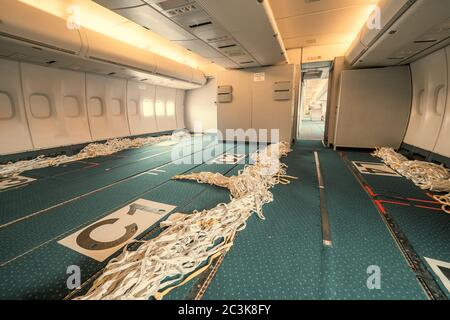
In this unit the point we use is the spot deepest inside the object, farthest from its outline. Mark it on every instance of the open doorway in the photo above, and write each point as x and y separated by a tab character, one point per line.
313	101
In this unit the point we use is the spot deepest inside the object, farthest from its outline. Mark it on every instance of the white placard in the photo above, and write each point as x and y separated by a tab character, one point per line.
375	168
6	183
440	268
109	234
260	76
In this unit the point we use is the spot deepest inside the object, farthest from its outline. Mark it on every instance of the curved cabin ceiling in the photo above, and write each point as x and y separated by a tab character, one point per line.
324	27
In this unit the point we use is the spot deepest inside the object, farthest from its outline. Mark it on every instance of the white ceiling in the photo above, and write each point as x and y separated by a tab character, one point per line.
310	23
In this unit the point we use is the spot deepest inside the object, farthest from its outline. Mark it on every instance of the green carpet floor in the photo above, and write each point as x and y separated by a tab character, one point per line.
281	257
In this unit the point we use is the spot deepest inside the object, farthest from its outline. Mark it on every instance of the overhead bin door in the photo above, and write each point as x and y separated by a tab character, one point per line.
107	49
429	97
36	27
387	11
106	107
141	108
14	134
115	4
173	69
55	105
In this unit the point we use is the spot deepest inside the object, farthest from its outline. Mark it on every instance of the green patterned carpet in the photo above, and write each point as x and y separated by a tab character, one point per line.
280	258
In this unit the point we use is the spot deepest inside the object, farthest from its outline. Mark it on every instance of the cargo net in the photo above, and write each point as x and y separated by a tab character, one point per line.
191	242
426	175
90	151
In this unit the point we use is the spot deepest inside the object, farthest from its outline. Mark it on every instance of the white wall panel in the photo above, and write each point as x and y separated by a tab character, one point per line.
14	134
443	142
141	108
179	108
238	113
254	103
106	99
55	106
373	107
429	97
165	108
201	107
270	114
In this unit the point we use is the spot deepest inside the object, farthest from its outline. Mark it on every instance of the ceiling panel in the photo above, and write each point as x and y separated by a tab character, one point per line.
154	21
316	23
318	40
289	8
336	21
200	48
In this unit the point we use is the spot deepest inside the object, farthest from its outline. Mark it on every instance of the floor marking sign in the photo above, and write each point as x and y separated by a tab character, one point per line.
442	270
6	183
228	158
375	168
109	234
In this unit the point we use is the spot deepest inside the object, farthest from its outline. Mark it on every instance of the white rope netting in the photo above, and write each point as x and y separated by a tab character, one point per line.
426	175
191	242
90	151
268	170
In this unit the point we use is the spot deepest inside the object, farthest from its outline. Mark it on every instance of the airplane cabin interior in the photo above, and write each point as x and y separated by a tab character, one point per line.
225	150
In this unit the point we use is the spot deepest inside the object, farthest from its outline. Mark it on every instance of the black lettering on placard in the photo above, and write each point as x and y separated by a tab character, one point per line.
374	168
13	182
85	241
228	158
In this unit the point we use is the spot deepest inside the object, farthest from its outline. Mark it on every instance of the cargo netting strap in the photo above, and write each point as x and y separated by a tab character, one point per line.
92	150
190	242
425	175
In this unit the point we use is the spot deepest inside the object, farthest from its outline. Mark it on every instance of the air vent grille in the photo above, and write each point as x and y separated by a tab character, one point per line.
218	39
227	46
180	11
198	25
314	58
236	53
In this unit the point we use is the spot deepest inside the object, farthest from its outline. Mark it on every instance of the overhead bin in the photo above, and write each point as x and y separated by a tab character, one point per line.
389	11
108	50
355	51
33	35
27	33
114	51
45	31
409	30
118	4
173	69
